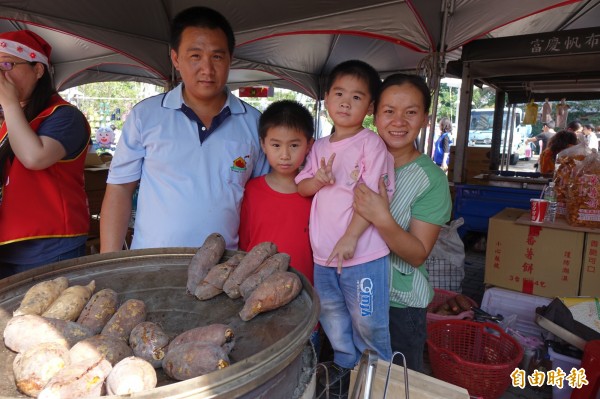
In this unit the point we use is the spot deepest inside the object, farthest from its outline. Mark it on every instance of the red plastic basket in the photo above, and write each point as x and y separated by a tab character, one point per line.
440	296
476	356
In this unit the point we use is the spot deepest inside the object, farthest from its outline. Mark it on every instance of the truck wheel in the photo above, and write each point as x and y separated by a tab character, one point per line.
514	159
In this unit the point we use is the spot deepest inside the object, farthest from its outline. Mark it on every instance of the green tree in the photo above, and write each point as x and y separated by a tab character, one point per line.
100	101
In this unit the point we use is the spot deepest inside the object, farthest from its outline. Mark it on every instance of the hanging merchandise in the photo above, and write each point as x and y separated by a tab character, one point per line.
531	112
546	111
562	112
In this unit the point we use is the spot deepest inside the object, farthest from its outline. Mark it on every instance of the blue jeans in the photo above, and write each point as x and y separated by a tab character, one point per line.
354	309
8	269
408	332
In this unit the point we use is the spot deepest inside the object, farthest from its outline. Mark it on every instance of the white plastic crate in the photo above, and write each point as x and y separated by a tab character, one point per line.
506	302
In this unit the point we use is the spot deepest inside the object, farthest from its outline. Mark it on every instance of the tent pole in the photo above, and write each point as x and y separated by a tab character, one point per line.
439	70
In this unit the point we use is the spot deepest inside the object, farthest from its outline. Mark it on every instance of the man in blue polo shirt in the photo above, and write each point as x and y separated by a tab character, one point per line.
192	150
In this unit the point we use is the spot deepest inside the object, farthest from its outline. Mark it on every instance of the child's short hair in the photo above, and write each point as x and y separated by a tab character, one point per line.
287	113
358	69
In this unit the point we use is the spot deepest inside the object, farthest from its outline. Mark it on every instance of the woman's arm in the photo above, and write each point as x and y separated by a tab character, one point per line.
35	152
414	245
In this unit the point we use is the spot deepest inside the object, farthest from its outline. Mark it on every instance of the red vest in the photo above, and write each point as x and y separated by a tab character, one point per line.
44	203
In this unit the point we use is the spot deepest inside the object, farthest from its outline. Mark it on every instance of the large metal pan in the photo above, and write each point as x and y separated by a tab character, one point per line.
269	348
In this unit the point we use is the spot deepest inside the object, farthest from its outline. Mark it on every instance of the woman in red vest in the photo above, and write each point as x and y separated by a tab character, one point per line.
44	216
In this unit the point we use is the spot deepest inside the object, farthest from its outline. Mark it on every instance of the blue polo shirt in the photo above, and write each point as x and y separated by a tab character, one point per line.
191	178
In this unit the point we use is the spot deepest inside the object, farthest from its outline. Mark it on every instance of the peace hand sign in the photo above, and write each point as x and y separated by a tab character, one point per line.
325	173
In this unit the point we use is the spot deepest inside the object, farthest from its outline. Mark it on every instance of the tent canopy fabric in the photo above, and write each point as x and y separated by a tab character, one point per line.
291	45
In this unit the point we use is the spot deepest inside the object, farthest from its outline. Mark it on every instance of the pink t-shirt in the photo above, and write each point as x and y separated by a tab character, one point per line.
361	158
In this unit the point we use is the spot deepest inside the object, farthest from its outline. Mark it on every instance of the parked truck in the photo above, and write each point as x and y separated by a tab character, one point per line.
480	133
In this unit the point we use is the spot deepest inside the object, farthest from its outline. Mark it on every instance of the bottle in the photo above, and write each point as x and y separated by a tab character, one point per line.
550	196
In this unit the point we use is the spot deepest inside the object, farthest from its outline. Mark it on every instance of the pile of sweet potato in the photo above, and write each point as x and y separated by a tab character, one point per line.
453	306
74	343
259	276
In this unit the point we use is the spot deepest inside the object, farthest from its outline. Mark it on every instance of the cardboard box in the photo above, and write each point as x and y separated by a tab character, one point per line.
590	271
477	161
532	259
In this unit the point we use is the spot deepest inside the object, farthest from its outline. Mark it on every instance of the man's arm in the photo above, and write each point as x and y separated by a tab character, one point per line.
115	216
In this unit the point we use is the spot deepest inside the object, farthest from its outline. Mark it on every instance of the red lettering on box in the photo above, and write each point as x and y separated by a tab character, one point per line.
567	254
594	243
592	261
534	231
566	270
564	277
527	286
528	268
591	269
593	252
529	253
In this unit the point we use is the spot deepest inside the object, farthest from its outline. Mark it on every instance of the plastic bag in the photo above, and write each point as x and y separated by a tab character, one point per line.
445	263
531	113
583	203
566	161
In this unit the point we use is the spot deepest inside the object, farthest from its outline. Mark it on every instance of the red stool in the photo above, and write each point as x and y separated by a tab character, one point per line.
591	364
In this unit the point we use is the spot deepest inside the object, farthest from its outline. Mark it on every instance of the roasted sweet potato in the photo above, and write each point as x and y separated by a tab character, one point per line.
463	302
70	303
23	332
247	266
219	274
78	380
212	285
443	309
131	375
100	346
277	290
217	334
193	359
99	309
205	258
149	342
37	365
278	262
39	297
454	305
131	313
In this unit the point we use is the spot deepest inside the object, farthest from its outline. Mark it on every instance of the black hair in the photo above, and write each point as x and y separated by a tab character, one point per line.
574	126
550	124
562	140
589	126
399	79
40	97
286	113
200	17
358	69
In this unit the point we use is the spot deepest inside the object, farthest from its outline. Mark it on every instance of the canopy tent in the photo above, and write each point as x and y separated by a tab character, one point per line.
291	45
